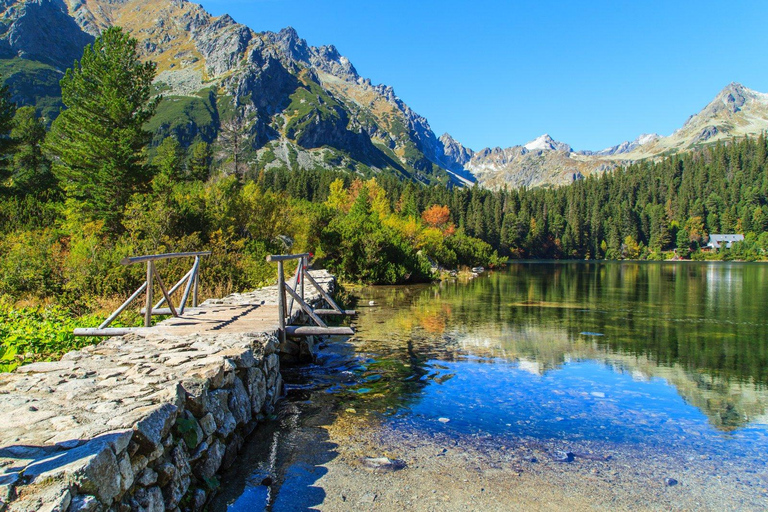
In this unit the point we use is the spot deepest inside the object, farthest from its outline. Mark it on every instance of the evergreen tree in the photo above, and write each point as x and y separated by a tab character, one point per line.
30	169
168	162
98	141
7	110
200	159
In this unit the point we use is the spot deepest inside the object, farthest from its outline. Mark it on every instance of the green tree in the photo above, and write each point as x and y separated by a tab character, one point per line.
199	165
98	141
7	110
30	169
168	161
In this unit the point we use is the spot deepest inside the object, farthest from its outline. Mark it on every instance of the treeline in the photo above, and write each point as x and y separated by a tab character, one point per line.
78	197
648	210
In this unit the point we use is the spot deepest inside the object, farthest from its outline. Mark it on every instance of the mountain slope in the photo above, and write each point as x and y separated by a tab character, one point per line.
735	112
306	107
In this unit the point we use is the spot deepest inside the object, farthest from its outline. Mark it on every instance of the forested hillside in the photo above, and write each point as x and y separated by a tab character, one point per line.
646	210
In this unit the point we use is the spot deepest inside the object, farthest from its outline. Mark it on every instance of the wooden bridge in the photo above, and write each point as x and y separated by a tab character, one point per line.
245	313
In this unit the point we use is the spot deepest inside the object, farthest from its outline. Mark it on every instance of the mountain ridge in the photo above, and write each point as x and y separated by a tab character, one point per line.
307	107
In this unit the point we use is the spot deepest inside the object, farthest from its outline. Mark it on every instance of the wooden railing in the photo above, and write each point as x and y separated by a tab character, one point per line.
191	279
295	288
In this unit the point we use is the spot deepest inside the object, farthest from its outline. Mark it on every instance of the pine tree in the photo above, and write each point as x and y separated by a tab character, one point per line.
199	164
7	110
98	141
30	169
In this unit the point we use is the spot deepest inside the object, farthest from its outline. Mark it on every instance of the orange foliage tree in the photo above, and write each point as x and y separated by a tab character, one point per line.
437	216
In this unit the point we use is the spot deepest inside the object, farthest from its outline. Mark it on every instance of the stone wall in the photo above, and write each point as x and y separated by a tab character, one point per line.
134	423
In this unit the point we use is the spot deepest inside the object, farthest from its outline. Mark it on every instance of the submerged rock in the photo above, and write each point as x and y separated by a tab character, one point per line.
383	464
560	456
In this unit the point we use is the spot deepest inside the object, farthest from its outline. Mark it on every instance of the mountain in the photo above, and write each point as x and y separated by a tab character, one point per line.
307	107
735	112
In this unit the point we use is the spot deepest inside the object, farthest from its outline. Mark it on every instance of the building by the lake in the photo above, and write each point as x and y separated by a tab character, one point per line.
717	241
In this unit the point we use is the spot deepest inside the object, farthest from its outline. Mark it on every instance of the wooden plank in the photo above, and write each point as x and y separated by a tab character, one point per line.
311	330
158	311
166	256
348	312
173	289
322	292
109	331
165	292
125	304
148	305
285	257
280	299
306	307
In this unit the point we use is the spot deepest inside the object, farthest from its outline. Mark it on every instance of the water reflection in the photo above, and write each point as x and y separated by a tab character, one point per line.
700	327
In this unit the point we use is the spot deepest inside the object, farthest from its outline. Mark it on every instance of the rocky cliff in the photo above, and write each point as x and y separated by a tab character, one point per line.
306	106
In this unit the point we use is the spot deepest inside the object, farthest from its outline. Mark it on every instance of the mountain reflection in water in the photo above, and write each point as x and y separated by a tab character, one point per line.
702	327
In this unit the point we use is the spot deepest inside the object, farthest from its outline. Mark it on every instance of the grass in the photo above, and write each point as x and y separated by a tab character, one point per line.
187	117
44	333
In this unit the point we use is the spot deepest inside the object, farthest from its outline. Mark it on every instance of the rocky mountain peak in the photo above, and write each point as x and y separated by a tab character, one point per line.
547	143
455	150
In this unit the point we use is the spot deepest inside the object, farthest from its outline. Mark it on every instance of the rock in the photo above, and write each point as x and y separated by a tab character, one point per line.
239	403
232	449
383	464
180	459
84	503
669	482
92	467
368	498
229	373
138	463
59	504
560	456
225	421
126	473
198	499
165	473
150	431
257	389
208	424
210	463
443	420
196	392
147	477
151	499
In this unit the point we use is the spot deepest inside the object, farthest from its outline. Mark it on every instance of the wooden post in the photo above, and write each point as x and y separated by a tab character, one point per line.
281	300
148	312
302	271
197	281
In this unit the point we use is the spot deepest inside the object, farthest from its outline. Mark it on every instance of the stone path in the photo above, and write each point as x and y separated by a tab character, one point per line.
141	421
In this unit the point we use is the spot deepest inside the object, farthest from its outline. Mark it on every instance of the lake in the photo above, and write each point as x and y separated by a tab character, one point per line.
545	385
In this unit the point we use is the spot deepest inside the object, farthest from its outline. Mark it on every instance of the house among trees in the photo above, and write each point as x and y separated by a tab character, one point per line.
717	241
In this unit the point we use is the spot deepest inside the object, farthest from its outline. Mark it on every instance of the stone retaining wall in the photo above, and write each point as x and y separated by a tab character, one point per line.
135	423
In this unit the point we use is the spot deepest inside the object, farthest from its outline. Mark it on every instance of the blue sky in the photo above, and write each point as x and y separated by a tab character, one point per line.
500	73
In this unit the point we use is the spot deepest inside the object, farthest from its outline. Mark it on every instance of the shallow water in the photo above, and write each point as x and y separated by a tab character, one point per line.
665	364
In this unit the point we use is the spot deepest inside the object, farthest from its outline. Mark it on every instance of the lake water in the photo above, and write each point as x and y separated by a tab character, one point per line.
642	385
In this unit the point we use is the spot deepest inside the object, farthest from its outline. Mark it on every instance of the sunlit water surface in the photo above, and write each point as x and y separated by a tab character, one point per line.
664	358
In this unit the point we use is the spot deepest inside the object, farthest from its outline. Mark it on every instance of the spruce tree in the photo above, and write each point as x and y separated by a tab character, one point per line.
98	141
30	170
7	111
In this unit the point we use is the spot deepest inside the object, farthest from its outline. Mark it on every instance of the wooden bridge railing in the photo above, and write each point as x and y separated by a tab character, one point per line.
295	288
191	278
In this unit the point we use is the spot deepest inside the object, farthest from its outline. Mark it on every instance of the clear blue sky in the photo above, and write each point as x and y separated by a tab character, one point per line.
500	73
